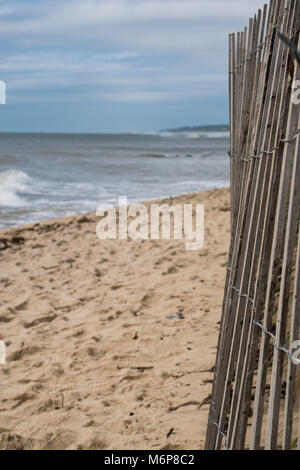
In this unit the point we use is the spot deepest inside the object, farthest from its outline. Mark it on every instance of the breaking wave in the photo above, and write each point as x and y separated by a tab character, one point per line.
13	185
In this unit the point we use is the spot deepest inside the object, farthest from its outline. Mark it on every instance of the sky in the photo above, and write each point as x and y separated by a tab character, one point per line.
116	65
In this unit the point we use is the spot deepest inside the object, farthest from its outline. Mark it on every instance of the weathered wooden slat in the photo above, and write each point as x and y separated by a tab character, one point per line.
233	327
274	265
255	238
224	347
265	204
282	316
292	367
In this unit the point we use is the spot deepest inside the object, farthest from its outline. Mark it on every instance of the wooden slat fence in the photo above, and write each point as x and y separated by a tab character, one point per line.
256	392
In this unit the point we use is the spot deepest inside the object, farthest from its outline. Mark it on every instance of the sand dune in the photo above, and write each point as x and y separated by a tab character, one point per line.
110	345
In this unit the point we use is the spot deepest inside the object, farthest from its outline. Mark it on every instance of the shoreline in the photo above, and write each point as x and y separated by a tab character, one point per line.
36	224
110	344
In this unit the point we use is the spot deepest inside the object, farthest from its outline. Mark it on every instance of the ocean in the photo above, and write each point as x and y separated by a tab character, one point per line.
44	176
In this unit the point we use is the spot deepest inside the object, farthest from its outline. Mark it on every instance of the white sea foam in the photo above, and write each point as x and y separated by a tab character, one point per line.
189	135
206	135
13	185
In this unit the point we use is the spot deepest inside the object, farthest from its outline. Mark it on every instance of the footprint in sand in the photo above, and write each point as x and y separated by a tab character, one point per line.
21	305
6	319
22	352
38	321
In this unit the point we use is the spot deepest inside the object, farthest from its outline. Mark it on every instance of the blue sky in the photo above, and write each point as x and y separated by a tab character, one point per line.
116	65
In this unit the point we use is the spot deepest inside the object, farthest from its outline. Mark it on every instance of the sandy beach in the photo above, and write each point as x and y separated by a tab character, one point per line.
110	344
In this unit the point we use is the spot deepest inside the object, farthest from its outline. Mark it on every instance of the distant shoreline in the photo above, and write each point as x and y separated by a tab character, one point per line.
17	229
209	128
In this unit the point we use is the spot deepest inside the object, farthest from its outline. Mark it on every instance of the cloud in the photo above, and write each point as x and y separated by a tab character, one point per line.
118	51
61	15
80	20
116	77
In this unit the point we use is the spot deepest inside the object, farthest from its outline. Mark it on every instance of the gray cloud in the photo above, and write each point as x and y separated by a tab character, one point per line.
126	51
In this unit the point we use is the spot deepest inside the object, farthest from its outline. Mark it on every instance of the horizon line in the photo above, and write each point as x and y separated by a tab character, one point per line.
178	129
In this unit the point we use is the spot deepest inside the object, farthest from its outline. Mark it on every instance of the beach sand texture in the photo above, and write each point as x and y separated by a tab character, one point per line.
110	344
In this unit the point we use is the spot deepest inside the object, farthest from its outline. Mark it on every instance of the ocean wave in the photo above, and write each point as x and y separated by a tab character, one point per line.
189	135
13	184
167	134
207	135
